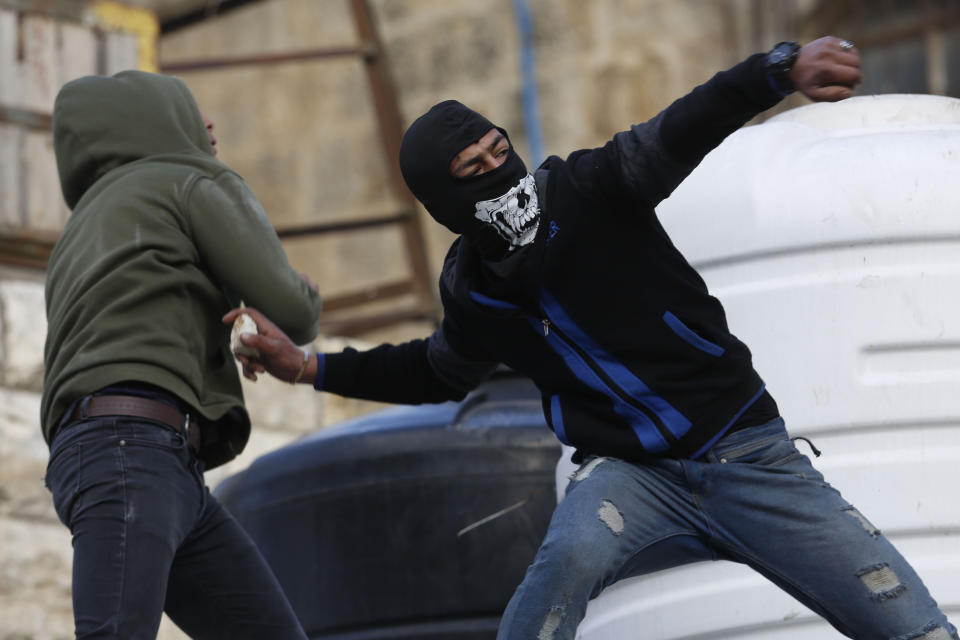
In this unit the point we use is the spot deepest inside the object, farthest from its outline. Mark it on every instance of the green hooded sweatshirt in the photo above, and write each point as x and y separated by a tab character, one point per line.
163	240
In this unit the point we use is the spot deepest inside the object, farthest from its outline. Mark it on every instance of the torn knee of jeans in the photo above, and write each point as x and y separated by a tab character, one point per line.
881	581
866	524
611	516
931	631
552	622
584	472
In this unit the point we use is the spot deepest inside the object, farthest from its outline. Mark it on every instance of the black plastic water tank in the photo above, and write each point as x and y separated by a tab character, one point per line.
367	524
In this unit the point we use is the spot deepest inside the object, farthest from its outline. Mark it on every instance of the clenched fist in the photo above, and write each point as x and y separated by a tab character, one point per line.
826	71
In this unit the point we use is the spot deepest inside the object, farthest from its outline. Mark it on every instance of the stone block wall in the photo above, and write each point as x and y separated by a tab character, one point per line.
35	552
38	54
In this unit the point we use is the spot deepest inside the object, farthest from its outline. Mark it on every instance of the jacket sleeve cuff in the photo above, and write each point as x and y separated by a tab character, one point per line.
321	371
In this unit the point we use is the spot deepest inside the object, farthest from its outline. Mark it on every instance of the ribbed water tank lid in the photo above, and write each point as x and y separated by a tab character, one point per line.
873	169
878	111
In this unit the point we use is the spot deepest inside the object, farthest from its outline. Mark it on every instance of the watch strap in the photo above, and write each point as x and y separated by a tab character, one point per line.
778	63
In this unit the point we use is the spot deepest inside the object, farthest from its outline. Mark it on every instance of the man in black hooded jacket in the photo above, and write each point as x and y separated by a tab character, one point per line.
567	276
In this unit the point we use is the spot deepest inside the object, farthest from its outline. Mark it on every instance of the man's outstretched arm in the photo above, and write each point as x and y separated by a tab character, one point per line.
824	71
413	372
648	161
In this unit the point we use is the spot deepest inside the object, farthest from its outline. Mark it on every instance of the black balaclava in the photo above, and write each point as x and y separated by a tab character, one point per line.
496	210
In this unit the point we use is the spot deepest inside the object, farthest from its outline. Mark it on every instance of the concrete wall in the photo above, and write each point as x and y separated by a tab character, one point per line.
304	136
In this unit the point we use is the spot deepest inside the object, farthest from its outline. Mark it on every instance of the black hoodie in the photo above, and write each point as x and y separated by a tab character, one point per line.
632	355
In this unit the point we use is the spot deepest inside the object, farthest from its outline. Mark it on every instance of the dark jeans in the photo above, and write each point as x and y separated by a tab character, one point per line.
149	537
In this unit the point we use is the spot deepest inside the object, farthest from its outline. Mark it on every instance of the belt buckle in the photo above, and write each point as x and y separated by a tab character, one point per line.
186	426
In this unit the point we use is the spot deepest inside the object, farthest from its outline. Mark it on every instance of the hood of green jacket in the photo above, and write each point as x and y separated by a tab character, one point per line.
101	123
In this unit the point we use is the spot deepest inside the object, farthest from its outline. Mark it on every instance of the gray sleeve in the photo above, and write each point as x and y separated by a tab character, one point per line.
241	250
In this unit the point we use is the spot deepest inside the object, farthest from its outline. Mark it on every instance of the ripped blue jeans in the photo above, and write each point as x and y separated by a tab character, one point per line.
746	500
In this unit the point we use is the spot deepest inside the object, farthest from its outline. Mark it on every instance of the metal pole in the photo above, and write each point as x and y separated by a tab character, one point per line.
390	127
207	64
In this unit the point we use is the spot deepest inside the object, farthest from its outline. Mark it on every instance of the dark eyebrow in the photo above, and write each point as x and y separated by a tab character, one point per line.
466	163
475	159
496	141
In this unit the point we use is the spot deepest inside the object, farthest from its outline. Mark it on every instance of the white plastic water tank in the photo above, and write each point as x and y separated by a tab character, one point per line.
831	233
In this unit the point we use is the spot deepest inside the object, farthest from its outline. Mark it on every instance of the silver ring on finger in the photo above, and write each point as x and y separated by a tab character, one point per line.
846	45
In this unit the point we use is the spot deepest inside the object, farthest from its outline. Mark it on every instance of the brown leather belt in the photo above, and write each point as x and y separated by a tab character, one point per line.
141	408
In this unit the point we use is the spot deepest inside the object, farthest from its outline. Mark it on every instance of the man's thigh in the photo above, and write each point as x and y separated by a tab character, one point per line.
221	587
617	519
775	512
123	490
622	519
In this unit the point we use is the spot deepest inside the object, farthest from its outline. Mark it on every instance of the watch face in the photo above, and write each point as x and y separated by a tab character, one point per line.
778	63
781	53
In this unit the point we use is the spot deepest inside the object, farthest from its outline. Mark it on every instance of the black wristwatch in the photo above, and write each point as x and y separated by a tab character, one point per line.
778	64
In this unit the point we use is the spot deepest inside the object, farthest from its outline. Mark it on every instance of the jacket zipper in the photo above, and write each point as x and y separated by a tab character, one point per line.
613	386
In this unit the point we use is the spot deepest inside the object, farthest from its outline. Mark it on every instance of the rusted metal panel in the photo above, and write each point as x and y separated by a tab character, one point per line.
27	118
391	130
389	126
207	64
371	294
25	248
335	226
356	325
59	53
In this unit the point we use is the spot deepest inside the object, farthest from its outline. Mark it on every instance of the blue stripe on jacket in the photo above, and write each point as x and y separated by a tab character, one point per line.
675	421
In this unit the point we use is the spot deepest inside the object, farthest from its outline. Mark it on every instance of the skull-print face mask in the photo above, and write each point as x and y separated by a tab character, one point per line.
515	214
497	210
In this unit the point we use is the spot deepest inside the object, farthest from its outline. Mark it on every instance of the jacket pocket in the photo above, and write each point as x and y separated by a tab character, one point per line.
691	337
769	452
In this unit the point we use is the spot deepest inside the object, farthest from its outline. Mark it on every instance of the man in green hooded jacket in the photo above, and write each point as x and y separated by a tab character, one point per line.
141	393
